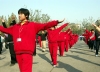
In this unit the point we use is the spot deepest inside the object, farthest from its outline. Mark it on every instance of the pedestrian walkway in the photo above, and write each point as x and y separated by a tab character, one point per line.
78	59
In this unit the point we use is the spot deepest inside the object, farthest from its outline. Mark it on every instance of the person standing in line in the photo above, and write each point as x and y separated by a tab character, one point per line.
9	41
52	42
24	35
97	38
1	43
43	40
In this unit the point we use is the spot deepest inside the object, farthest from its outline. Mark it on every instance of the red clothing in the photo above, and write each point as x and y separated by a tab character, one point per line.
27	32
53	52
53	34
91	36
63	42
61	36
25	62
61	47
39	39
52	40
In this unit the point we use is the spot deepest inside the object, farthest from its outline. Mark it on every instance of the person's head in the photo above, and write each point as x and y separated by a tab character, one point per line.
98	26
92	30
42	32
23	14
52	28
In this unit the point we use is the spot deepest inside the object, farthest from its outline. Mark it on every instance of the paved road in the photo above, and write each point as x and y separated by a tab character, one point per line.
78	59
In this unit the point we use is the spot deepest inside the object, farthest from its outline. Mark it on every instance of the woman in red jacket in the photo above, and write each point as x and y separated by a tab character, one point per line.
52	40
61	42
24	34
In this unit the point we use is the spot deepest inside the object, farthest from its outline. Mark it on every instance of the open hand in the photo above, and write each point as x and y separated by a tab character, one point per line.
61	20
94	25
3	20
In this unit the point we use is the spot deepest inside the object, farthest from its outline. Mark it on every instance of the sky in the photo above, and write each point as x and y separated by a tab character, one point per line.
71	10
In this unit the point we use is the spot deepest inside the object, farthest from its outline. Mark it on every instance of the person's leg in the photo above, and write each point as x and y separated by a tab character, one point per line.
89	44
97	47
34	53
0	49
62	48
25	62
40	43
19	60
66	46
12	54
54	53
44	45
59	45
92	44
51	50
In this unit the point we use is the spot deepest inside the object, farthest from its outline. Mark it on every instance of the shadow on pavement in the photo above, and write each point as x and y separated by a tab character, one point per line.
68	67
84	60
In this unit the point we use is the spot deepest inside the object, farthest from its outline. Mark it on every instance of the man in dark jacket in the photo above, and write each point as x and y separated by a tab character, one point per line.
43	40
9	41
97	36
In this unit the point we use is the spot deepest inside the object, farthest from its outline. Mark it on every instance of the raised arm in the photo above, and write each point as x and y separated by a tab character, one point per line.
97	28
7	30
3	23
13	22
60	28
68	30
45	26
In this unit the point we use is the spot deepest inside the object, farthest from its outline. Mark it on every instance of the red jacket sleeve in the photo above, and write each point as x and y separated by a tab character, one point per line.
7	30
44	26
87	31
60	28
67	30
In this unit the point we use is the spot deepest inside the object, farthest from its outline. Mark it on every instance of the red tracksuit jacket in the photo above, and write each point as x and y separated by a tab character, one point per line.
27	33
63	36
91	36
53	34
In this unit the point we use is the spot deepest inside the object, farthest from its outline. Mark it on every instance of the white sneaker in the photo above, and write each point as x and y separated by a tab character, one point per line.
54	65
43	50
96	55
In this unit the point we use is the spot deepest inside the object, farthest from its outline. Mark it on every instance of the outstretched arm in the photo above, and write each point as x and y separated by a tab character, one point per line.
45	26
3	23
7	30
13	22
60	28
96	27
68	30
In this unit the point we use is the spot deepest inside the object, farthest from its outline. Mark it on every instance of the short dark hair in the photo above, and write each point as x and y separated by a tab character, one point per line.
25	12
92	29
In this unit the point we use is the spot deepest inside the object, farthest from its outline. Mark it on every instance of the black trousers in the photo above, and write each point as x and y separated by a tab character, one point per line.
97	46
34	53
91	44
12	53
0	48
88	43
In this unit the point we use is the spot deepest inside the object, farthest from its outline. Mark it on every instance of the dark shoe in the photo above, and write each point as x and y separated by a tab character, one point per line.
12	64
34	55
43	51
